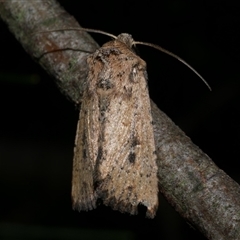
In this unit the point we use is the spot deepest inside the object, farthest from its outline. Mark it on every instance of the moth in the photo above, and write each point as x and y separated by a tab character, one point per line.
115	154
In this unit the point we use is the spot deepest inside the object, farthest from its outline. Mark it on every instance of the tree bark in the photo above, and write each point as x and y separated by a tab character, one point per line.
201	192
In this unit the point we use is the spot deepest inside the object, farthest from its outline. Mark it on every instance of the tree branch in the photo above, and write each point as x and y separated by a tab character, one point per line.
202	193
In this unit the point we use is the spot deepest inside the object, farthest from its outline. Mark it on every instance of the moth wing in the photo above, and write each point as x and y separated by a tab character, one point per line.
127	170
83	195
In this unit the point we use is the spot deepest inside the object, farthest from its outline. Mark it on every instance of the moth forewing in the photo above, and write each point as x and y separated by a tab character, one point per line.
83	195
114	157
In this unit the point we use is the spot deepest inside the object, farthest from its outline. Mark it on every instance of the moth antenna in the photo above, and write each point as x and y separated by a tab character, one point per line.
135	42
174	56
82	29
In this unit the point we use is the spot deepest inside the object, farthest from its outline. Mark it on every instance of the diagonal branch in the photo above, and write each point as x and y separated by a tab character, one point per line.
202	193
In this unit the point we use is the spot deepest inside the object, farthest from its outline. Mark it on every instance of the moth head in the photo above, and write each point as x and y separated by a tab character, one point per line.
126	39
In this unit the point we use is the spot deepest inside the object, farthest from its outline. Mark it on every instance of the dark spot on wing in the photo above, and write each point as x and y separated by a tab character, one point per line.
96	184
132	157
128	91
100	154
84	154
105	84
120	74
135	142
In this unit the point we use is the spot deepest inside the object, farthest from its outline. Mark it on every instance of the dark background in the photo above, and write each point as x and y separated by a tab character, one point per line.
37	123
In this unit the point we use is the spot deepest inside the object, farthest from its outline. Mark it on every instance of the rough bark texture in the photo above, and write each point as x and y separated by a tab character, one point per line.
26	19
202	193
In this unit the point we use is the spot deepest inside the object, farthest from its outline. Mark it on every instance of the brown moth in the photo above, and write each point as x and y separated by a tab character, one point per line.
114	155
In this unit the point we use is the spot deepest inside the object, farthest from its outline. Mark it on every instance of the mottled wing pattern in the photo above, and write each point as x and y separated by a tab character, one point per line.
116	160
83	193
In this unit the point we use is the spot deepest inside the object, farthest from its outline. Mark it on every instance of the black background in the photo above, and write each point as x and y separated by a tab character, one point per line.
37	123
